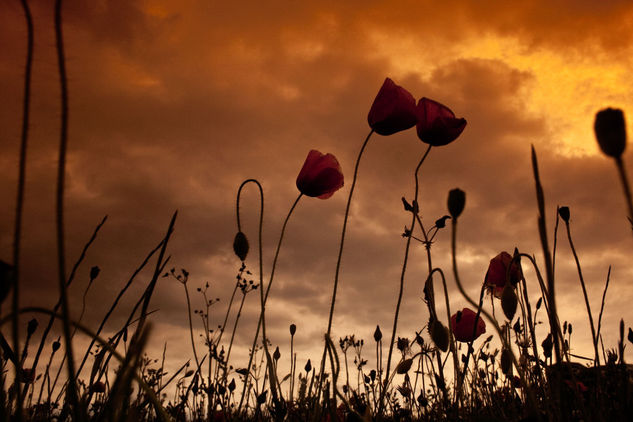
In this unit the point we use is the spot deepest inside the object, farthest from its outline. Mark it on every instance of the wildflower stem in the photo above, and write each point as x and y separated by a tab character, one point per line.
625	185
19	204
340	254
404	268
584	292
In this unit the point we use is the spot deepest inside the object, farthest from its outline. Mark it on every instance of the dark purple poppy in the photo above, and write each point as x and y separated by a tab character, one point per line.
393	109
320	176
437	124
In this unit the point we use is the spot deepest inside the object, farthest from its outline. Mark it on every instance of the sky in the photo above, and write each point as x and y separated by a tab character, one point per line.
174	103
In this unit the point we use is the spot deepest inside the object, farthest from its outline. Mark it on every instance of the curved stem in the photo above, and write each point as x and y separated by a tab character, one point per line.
26	105
404	265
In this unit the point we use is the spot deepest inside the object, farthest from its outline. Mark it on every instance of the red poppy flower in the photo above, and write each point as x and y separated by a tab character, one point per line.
463	325
320	176
495	279
437	124
393	109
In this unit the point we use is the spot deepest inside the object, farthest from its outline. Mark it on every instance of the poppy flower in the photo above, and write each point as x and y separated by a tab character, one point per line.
463	325
320	176
495	279
393	109
437	124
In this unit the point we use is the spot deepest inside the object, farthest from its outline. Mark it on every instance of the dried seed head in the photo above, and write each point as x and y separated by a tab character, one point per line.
610	131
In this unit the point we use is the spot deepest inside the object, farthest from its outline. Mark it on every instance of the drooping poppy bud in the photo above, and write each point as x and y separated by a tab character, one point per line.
293	329
393	109
564	214
320	176
495	279
464	327
240	245
437	124
610	131
456	202
377	334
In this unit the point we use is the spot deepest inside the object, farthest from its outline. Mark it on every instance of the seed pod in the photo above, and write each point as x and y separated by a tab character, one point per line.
56	345
404	366
240	245
456	202
564	213
439	335
232	385
509	301
293	329
506	362
308	366
610	131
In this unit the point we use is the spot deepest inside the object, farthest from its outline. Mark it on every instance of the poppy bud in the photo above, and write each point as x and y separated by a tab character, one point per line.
547	346
506	361
94	273
509	301
189	373
456	202
276	354
404	366
31	327
261	399
439	335
402	344
440	223
377	334
610	131
232	385
293	329
56	345
240	245
630	336
308	366
539	302
564	213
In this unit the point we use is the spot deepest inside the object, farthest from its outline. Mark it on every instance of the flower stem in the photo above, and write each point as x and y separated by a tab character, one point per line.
340	254
625	186
404	269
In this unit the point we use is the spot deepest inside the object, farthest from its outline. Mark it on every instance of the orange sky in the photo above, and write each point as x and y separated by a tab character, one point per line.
174	103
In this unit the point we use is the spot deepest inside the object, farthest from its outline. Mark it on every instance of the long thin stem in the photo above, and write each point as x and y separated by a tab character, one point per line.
26	105
261	286
625	186
594	339
340	253
604	296
193	344
61	177
404	265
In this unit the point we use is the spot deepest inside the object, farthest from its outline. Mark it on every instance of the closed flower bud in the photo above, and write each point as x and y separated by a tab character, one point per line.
509	301
404	366
564	213
56	345
293	329
276	354
308	366
377	334
94	273
610	131
31	327
439	335
456	202
240	245
232	385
